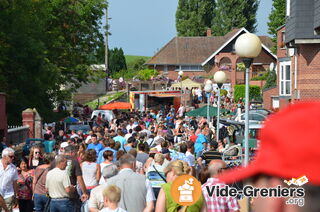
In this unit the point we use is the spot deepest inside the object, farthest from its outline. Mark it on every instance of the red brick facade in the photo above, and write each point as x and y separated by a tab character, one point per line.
308	71
305	75
233	76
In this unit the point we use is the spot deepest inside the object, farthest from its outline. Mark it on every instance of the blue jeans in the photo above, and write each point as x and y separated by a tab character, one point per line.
39	202
61	205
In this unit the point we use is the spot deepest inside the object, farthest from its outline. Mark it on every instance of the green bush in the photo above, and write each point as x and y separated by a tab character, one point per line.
271	80
139	64
146	74
241	67
125	74
254	92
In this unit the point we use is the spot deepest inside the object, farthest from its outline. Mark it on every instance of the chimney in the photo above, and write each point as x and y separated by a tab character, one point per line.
209	32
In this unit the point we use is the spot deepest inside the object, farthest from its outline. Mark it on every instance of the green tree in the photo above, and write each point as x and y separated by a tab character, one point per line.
44	47
117	61
234	14
277	18
254	92
194	17
271	80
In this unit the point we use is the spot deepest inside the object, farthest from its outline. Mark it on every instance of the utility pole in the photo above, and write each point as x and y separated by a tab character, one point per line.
106	53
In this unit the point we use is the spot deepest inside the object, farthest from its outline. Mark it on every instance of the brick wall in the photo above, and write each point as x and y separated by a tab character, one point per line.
259	83
267	97
309	71
281	50
84	97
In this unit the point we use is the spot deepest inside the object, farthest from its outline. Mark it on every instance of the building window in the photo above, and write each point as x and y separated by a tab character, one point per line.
189	68
288	7
285	78
283	38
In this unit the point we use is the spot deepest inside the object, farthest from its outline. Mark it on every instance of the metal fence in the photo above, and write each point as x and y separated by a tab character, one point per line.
17	134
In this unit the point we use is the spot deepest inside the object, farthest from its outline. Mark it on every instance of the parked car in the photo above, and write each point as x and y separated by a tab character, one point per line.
262	111
253	117
107	113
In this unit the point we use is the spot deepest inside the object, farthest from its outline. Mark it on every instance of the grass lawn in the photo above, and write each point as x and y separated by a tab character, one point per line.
105	98
130	59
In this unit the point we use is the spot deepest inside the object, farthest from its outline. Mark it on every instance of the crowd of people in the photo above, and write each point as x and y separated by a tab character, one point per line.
128	164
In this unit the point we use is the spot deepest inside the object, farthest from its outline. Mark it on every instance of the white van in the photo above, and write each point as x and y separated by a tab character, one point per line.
107	113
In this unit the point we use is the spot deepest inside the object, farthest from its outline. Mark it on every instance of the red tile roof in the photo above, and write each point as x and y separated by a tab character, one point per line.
193	50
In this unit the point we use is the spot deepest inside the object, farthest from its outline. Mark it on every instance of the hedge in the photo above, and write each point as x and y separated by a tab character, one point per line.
254	92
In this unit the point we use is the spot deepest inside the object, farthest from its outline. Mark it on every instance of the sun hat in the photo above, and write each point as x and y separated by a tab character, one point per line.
289	146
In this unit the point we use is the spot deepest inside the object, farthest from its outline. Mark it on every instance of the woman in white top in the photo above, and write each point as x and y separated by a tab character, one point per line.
108	157
90	169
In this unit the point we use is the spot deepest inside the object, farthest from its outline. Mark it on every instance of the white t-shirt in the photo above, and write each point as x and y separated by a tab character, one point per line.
127	136
56	182
7	177
116	210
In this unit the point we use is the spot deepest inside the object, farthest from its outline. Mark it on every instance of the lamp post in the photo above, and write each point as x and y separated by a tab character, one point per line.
220	78
180	76
208	89
248	46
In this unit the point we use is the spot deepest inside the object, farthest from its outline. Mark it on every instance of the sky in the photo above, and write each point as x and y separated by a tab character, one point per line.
142	27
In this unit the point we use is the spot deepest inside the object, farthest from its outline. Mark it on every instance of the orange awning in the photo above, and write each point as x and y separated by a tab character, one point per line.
116	105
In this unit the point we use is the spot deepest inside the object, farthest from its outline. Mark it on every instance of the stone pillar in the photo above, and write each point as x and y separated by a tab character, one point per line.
28	117
37	124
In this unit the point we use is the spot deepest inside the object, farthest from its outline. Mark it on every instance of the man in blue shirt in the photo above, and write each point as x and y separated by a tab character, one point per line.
201	143
109	144
48	144
120	138
95	144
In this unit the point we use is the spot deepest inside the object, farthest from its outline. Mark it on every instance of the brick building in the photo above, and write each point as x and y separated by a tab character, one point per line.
298	66
203	56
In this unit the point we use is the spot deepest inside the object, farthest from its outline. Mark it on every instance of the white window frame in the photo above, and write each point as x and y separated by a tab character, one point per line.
190	68
288	7
283	78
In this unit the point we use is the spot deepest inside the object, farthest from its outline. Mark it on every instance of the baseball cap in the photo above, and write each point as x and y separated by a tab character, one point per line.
288	147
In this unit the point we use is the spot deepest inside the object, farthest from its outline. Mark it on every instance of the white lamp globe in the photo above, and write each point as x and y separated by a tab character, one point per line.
220	77
208	88
209	82
248	45
180	73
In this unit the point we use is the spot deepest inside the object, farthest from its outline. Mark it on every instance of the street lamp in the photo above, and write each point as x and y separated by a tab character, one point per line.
248	46
220	78
208	89
180	75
